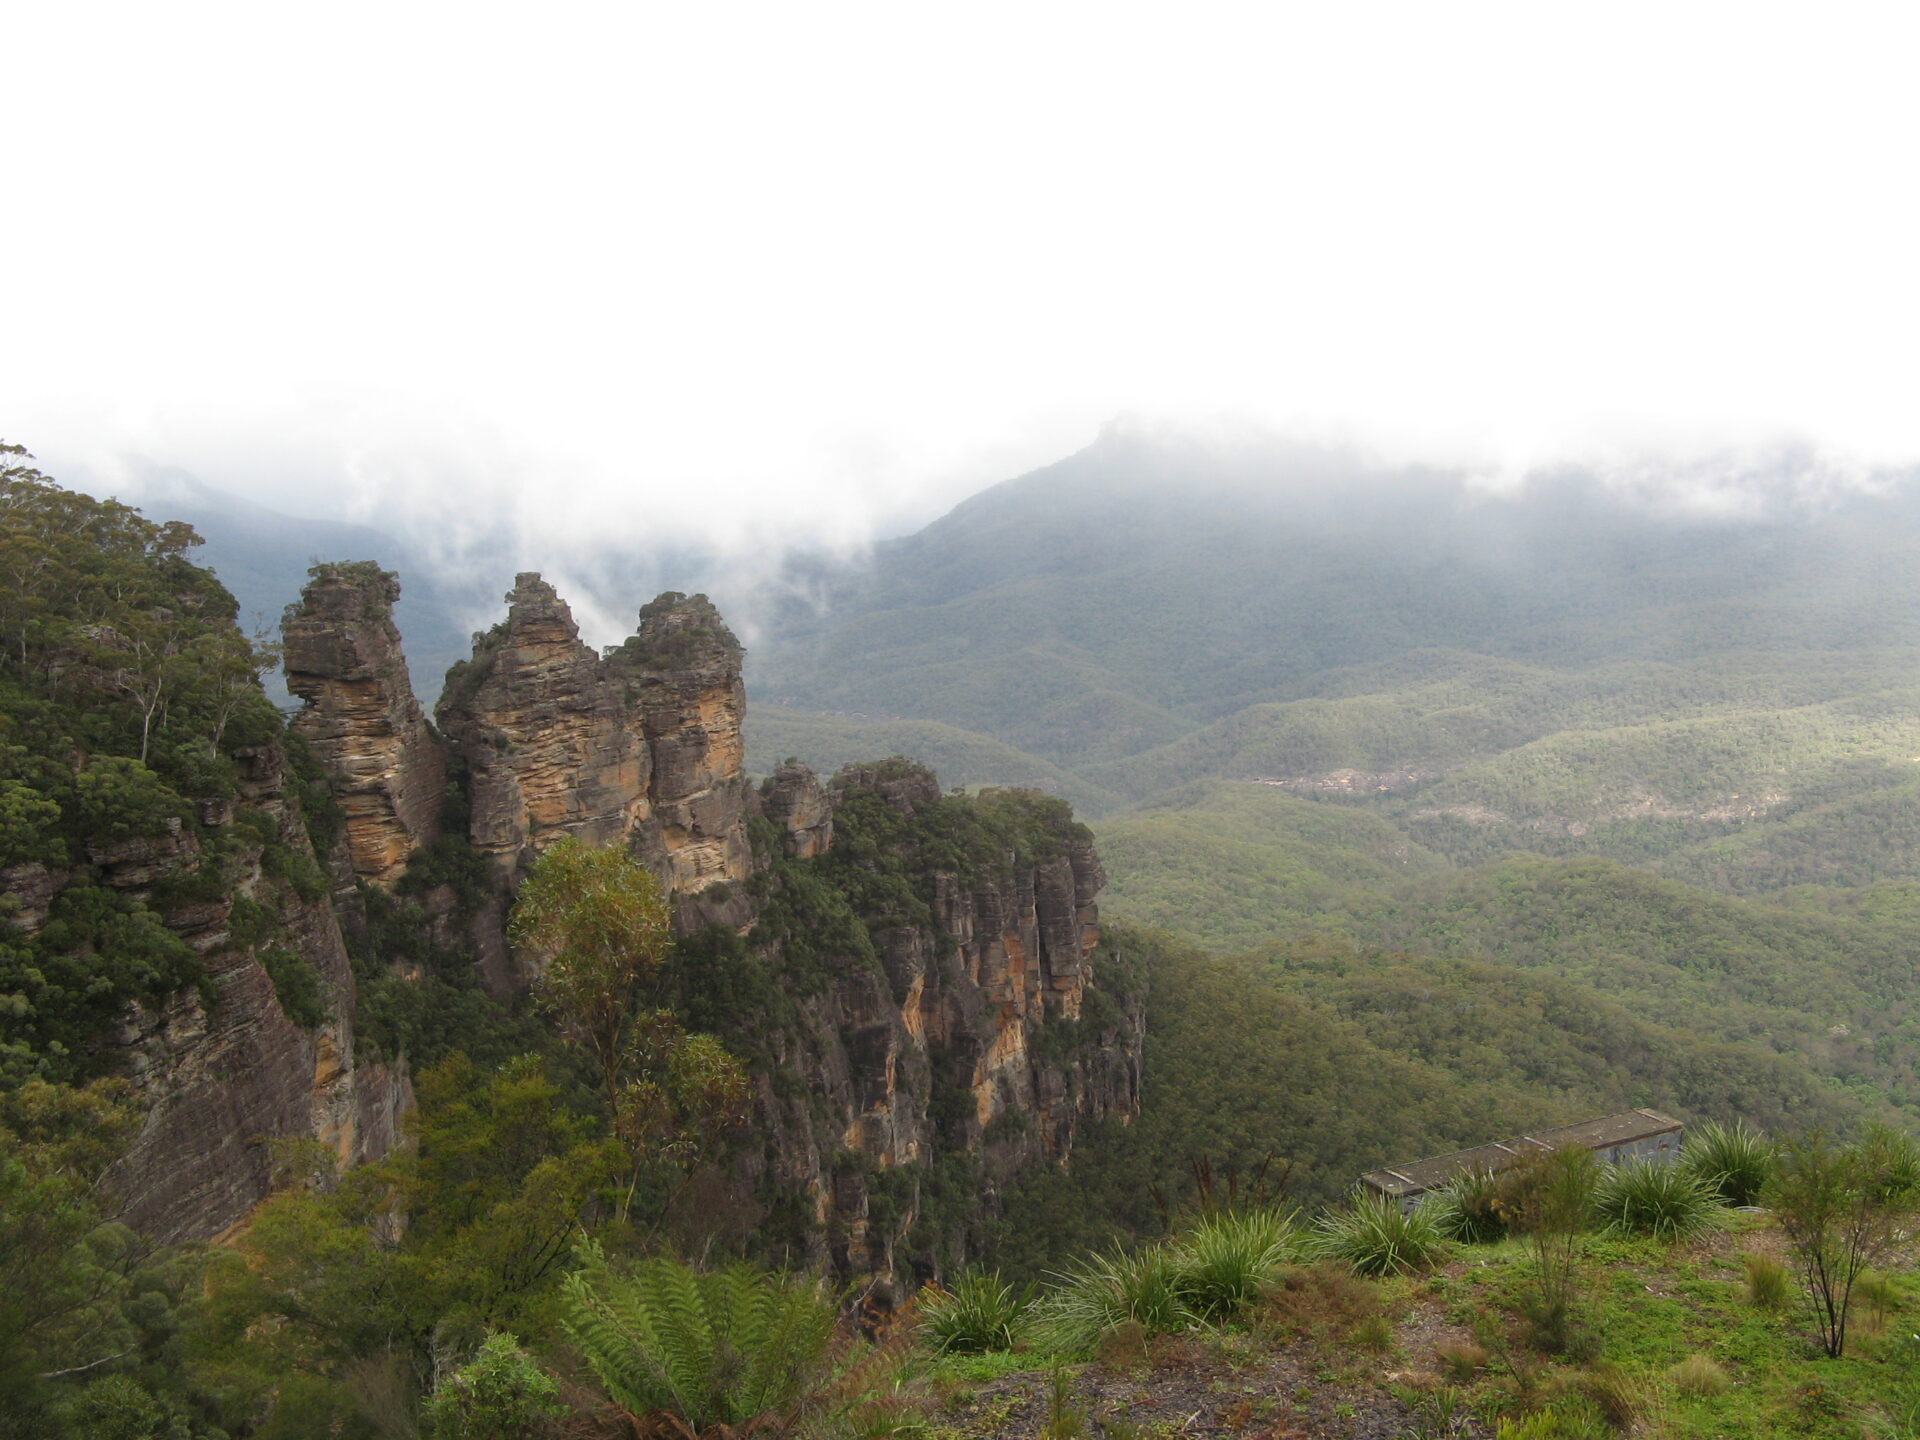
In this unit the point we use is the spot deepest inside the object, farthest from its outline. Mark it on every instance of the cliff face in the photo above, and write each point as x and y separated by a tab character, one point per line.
343	659
223	1072
932	1023
968	1045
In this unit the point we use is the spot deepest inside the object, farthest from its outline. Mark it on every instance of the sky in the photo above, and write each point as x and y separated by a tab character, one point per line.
739	273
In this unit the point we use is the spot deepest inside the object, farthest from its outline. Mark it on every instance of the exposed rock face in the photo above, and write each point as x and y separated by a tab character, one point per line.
641	749
549	741
960	1024
343	658
684	666
219	1082
938	1054
796	802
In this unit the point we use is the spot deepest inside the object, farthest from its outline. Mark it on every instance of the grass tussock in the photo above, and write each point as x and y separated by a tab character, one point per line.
1320	1303
1699	1375
1461	1360
1104	1291
1371	1235
1733	1161
978	1313
1768	1284
1225	1259
1211	1272
1475	1209
1665	1201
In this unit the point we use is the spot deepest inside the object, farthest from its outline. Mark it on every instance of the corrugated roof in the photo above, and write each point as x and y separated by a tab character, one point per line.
1601	1134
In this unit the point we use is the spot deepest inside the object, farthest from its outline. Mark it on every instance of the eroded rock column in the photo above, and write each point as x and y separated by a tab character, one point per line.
343	658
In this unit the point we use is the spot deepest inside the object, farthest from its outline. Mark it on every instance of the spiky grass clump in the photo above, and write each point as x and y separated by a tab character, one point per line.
1473	1209
1106	1290
1226	1259
1733	1161
1895	1160
1372	1236
1580	1422
1645	1197
1768	1284
978	1313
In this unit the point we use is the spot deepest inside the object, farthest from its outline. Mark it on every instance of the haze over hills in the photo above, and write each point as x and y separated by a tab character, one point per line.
1592	729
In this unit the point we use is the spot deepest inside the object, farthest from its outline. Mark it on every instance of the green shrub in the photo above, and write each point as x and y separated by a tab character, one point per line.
1733	1161
1895	1161
1472	1209
1225	1259
978	1312
499	1395
1651	1197
1107	1290
296	985
1371	1234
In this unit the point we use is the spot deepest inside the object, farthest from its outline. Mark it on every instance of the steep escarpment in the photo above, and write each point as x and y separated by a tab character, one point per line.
936	1013
163	918
913	976
261	1049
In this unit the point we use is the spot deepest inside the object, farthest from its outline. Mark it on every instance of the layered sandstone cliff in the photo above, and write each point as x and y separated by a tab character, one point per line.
641	748
933	1018
224	1074
968	1049
343	658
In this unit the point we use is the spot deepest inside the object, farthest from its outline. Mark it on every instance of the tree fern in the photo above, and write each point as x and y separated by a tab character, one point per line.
725	1347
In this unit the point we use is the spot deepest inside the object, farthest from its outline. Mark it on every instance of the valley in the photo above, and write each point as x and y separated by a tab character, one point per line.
1162	821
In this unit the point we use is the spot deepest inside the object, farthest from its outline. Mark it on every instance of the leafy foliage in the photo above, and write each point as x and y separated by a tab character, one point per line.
726	1347
501	1394
596	919
1842	1209
127	696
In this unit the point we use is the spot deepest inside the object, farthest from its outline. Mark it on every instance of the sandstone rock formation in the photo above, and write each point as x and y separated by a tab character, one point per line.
954	1025
343	658
935	1055
641	748
795	800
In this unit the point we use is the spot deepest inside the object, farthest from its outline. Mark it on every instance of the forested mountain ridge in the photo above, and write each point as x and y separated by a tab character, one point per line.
1151	611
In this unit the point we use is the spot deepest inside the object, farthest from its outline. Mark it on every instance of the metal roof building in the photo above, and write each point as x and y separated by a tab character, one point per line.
1630	1135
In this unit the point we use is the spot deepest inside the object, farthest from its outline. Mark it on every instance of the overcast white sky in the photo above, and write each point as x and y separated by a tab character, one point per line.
704	269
